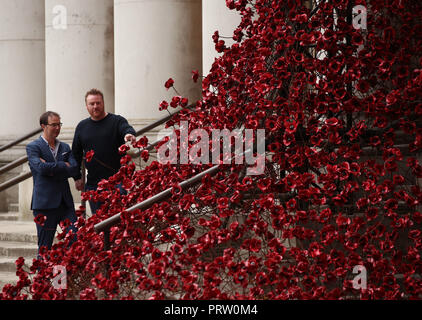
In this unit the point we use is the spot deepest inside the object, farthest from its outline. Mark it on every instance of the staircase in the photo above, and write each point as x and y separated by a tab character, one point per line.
17	239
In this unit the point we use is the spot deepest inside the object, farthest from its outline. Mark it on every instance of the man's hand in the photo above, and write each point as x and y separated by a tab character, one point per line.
42	160
79	185
130	137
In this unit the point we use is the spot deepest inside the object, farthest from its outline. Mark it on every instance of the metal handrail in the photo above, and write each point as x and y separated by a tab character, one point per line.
24	159
109	222
105	225
11	182
15	180
13	164
17	141
161	121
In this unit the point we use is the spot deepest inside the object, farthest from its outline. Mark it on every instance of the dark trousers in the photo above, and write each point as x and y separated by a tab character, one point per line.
93	204
96	205
53	217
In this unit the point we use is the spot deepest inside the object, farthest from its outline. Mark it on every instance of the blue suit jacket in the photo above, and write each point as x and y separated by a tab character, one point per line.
51	178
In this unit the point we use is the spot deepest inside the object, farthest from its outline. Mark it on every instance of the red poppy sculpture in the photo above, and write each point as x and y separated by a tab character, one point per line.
336	212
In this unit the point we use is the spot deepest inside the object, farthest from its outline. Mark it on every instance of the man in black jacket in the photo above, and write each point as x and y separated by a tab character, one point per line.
103	133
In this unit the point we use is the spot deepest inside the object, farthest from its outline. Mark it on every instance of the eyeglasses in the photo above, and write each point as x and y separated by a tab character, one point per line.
55	125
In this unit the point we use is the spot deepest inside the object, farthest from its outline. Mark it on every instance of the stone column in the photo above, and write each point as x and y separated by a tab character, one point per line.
79	56
22	79
216	16
22	66
155	40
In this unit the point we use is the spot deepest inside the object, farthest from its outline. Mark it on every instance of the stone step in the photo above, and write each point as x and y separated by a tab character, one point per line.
18	249
7	264
22	231
7	278
26	238
13	207
17	239
9	216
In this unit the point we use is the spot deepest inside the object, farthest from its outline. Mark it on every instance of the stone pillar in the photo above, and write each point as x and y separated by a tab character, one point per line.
155	40
22	78
79	56
216	16
22	66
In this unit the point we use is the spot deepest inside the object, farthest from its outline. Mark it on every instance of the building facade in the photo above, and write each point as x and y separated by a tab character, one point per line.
53	51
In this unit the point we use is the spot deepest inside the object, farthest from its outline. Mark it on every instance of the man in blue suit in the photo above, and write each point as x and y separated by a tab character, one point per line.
52	163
